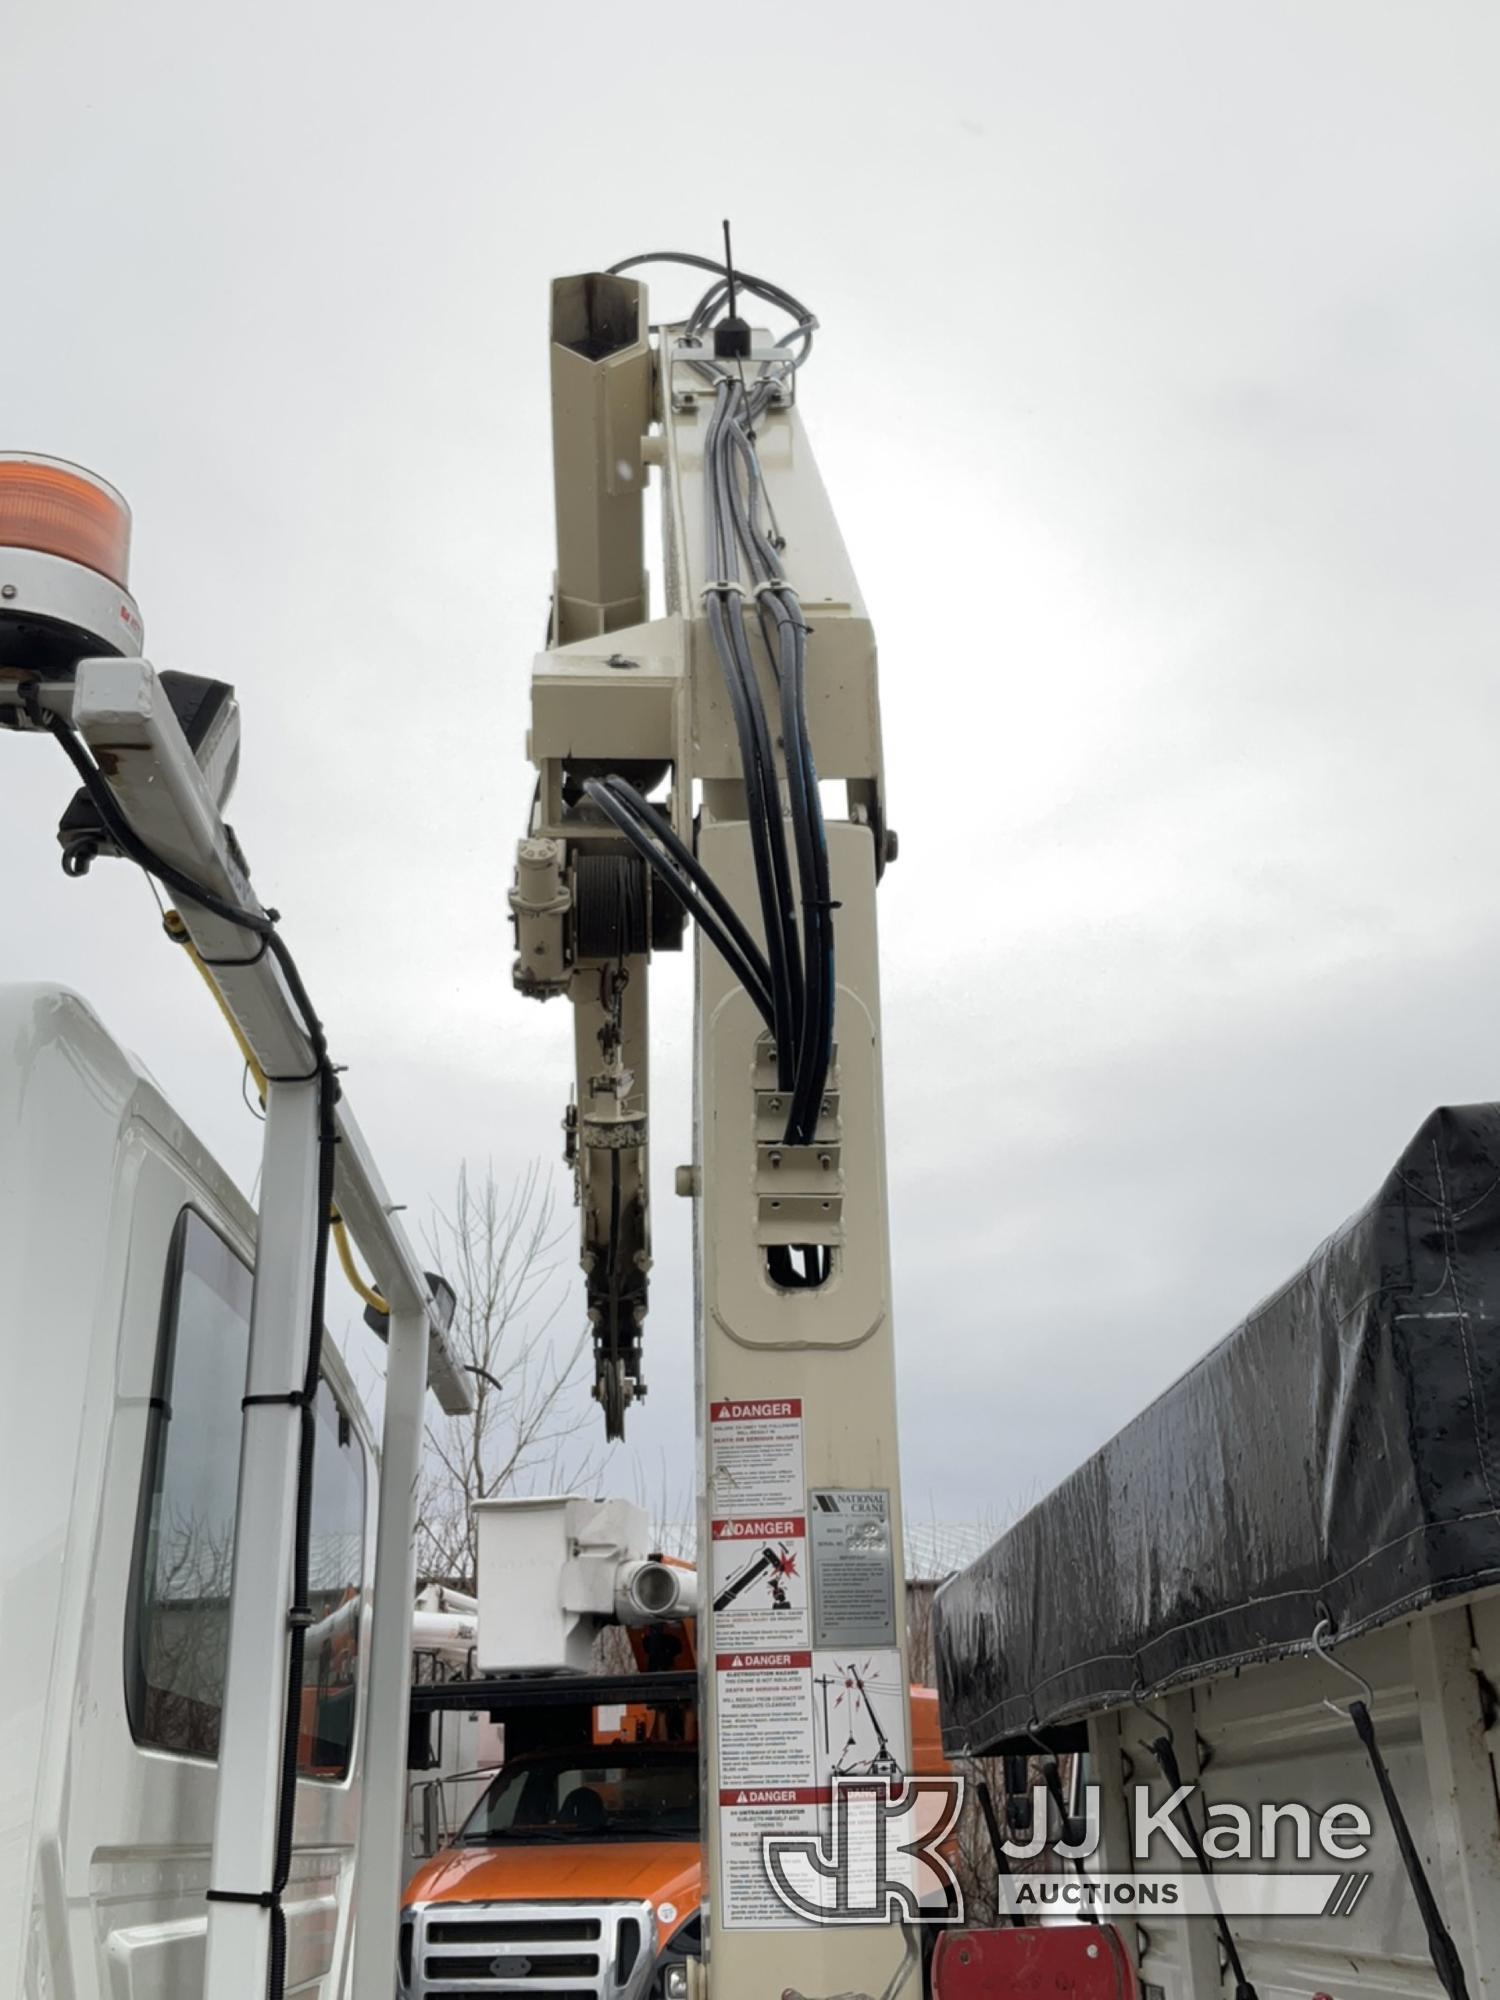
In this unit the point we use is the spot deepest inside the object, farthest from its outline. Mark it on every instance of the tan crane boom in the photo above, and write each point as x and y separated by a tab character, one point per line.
682	764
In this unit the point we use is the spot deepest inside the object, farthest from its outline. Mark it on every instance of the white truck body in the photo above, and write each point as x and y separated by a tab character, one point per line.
105	1841
1264	1736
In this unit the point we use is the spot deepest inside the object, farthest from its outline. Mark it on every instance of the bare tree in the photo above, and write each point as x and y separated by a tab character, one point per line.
499	1253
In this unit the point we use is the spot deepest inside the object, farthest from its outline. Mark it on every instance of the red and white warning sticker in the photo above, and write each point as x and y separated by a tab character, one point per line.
790	1725
759	1581
747	1815
755	1455
765	1720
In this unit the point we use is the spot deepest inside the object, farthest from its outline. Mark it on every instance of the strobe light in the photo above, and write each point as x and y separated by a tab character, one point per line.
64	567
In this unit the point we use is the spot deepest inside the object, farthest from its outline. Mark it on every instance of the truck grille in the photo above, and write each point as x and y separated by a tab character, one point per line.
472	1951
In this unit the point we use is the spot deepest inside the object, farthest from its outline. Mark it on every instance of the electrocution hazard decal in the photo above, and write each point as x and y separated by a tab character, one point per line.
790	1725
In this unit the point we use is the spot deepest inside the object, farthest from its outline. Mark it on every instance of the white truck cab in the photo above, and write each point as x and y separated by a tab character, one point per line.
126	1273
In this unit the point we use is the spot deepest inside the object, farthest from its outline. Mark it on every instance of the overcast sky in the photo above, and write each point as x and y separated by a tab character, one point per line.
1157	397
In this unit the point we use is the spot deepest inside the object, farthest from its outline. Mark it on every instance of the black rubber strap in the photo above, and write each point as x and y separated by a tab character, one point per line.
1166	1756
1445	1959
1052	1779
997	1838
263	1899
297	1398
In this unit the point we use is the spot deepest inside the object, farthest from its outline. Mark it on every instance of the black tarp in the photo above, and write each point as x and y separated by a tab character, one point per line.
1337	1454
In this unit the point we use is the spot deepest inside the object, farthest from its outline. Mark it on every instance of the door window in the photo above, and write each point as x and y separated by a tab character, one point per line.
178	1630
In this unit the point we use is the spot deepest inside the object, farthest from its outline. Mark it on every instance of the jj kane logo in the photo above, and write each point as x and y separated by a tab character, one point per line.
884	1852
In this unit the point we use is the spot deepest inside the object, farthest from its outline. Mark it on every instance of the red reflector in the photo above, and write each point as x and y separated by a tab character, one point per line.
1039	1962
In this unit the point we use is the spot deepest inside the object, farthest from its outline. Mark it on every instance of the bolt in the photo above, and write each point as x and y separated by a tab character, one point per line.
1092	1952
7	590
775	1104
776	1159
619	660
824	1161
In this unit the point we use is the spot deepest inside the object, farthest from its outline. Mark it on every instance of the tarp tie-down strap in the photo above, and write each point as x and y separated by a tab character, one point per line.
1445	1959
997	1838
1052	1779
1166	1756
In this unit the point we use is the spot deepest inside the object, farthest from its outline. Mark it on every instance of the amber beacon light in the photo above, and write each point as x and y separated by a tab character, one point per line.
64	565
61	510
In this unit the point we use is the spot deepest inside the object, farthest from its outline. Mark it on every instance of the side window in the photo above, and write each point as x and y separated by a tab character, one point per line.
178	1631
335	1571
184	1554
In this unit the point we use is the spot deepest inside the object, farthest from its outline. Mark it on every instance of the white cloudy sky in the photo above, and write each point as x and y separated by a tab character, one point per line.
1158	398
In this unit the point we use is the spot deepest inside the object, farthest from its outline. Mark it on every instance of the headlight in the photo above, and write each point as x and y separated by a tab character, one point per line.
675	1985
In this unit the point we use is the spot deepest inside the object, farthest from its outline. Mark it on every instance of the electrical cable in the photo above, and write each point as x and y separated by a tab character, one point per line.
262	924
178	932
666	833
755	979
724	608
793	981
788	658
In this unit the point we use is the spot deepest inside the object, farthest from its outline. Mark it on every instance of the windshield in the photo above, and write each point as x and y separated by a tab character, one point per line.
609	1794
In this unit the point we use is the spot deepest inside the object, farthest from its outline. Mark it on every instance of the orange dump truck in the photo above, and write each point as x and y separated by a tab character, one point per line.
578	1876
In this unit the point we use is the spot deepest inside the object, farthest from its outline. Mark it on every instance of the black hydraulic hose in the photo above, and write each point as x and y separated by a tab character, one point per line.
776	942
776	603
762	790
783	890
657	823
812	1068
685	888
729	513
822	878
788	657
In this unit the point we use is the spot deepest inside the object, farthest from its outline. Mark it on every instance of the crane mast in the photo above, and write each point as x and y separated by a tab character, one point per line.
682	762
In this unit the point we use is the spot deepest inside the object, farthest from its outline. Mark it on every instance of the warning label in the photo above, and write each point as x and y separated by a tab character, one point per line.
765	1721
789	1724
755	1456
790	1720
759	1580
859	1717
747	1900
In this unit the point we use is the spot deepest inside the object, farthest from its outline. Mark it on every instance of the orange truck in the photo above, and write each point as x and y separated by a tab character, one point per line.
578	1875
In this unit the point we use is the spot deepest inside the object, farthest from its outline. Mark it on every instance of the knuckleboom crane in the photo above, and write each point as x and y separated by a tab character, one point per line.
682	764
